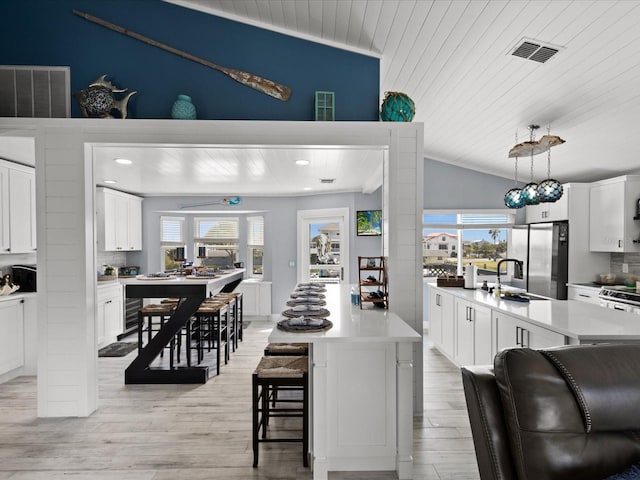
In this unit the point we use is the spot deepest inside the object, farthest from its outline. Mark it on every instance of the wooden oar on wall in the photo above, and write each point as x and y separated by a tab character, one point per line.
276	90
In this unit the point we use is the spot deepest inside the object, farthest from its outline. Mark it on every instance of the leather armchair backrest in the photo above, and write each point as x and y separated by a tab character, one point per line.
556	414
487	424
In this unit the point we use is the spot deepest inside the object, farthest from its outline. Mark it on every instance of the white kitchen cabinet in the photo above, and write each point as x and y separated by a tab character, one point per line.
11	335
441	321
512	332
119	220
473	344
17	209
256	297
549	212
583	294
612	208
109	314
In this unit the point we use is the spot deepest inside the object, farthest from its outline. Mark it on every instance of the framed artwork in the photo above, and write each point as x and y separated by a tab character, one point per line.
369	223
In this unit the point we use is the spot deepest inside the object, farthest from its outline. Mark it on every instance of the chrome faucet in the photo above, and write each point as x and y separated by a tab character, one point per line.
518	273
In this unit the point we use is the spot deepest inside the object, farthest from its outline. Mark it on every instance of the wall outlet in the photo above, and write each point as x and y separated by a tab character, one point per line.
625	268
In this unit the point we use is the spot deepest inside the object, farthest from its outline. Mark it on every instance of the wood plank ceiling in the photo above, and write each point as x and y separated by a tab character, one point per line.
453	58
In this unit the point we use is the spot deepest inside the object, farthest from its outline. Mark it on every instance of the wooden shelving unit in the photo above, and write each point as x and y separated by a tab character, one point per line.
373	282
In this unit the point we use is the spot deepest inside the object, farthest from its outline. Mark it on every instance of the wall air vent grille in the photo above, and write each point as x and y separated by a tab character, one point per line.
34	91
535	51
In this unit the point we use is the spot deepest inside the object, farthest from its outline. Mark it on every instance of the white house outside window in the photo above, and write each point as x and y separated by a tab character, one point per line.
453	239
171	237
219	236
255	246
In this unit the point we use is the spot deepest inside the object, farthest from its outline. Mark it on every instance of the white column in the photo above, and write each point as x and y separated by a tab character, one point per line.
67	365
319	416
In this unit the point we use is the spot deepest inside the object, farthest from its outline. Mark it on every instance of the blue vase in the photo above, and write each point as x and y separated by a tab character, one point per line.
183	109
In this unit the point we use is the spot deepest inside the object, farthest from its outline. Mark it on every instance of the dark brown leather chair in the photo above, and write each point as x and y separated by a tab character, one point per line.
565	413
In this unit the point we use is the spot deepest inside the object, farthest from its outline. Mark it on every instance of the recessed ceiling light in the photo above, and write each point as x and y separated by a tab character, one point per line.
307	188
110	181
302	162
123	161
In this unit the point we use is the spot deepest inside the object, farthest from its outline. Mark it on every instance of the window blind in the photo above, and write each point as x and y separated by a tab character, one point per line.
216	229
255	231
172	229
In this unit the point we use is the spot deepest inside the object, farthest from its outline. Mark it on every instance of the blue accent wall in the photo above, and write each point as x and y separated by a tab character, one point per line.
46	32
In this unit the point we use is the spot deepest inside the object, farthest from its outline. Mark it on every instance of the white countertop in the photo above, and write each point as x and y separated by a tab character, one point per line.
583	321
351	324
181	280
17	294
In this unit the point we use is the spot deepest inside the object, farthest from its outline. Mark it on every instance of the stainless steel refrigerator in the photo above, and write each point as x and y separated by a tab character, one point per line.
543	247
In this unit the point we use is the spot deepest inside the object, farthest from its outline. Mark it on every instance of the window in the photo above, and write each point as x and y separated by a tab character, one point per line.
219	237
479	237
171	238
255	245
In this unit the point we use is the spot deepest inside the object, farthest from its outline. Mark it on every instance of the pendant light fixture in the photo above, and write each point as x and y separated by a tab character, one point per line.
513	198
549	190
530	190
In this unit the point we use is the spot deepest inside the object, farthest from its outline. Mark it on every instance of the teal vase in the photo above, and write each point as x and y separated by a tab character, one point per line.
183	109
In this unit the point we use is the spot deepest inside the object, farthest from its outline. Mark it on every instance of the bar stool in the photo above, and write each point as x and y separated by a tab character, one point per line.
275	372
210	316
230	300
287	349
150	312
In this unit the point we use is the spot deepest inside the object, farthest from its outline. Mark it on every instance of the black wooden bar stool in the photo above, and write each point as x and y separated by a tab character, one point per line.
287	349
232	332
213	318
276	372
150	313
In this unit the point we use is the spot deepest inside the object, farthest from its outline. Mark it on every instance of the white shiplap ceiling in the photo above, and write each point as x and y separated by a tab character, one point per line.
453	59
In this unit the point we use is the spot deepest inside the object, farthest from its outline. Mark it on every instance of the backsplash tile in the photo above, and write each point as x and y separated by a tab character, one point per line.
115	259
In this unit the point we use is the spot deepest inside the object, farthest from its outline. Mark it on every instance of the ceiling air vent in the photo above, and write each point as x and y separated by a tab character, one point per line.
534	50
327	180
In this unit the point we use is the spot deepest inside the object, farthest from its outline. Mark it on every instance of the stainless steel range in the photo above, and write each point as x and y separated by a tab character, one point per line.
620	298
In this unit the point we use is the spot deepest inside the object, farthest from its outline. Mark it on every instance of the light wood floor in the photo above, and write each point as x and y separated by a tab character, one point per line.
198	432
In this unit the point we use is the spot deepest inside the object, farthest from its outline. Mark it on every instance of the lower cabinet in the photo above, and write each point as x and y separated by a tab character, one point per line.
473	344
256	297
11	335
513	332
441	321
110	314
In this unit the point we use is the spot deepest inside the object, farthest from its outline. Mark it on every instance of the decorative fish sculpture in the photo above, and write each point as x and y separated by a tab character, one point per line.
98	100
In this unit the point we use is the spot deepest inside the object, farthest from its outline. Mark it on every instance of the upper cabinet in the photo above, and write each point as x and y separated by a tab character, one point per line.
17	208
612	208
550	212
119	220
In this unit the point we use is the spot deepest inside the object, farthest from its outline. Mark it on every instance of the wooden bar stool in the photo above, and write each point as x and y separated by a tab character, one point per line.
287	349
210	317
149	313
230	300
276	372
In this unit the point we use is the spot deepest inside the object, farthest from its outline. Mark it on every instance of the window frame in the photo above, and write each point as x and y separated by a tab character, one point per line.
254	247
232	247
166	244
459	227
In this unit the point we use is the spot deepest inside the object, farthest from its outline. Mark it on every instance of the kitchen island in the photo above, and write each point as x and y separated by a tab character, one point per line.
471	326
361	380
192	291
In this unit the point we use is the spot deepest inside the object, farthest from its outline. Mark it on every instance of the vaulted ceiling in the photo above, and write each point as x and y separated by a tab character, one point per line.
454	59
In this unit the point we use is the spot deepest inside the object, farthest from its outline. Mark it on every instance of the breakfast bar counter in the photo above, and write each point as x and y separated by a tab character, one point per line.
361	380
192	291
